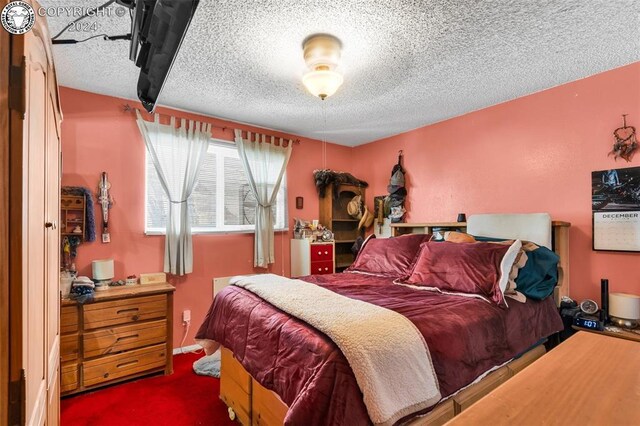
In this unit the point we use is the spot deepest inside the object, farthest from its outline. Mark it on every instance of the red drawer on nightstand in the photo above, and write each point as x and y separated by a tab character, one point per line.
321	268
322	252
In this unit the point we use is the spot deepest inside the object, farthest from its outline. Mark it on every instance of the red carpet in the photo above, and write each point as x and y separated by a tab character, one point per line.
182	399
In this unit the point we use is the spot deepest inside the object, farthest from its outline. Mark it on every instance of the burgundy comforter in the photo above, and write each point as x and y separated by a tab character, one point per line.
466	337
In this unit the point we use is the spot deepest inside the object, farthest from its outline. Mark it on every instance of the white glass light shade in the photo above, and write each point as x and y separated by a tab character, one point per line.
322	83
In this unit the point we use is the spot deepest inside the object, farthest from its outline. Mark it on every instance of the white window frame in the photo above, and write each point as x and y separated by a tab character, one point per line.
221	227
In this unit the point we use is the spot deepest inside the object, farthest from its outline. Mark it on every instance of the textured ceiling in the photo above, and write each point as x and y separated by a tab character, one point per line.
406	63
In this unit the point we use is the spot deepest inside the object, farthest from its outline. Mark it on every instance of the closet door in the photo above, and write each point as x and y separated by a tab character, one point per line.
34	314
34	251
52	259
34	293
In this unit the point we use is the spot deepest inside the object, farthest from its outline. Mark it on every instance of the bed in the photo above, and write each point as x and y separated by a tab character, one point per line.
277	369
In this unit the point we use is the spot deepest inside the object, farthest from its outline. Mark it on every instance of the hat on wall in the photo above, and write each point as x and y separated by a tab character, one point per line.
367	219
354	207
396	183
397	178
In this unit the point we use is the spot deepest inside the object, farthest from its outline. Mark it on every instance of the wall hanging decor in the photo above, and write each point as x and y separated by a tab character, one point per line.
394	202
615	201
105	200
625	144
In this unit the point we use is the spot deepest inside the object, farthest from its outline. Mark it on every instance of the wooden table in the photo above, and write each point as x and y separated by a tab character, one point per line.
590	379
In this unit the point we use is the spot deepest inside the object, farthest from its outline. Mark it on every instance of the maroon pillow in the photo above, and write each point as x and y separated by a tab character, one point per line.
470	268
388	256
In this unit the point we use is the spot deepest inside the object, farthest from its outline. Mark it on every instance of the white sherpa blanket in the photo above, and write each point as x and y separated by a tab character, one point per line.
387	353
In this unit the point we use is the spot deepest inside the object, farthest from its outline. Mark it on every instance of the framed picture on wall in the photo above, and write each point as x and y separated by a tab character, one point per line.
615	200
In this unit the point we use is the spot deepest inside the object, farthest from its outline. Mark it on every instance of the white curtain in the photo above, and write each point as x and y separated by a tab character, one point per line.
177	154
264	164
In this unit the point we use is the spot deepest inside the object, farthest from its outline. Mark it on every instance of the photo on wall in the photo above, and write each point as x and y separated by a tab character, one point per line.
615	201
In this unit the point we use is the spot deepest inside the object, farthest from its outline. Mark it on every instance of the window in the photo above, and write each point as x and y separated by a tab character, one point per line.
222	200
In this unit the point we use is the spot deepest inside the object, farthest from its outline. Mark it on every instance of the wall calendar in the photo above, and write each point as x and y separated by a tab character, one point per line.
615	200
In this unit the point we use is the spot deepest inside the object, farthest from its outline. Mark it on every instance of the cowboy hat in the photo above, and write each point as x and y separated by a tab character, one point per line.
354	207
367	219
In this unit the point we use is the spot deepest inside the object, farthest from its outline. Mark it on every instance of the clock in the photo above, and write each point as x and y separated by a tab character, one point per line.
588	322
589	307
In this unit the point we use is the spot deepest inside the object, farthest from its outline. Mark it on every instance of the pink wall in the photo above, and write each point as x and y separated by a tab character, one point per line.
98	136
532	154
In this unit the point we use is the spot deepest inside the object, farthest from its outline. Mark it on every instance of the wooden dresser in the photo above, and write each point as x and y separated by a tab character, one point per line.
126	332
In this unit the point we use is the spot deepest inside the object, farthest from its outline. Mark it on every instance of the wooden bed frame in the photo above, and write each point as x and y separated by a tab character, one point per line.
252	404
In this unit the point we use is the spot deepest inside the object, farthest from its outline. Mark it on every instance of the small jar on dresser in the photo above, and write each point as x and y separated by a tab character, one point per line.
126	332
309	258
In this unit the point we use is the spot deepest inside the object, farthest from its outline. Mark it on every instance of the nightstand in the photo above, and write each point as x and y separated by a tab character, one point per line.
614	331
312	258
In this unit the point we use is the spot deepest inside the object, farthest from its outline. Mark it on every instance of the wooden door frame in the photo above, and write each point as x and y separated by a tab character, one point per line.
16	391
4	223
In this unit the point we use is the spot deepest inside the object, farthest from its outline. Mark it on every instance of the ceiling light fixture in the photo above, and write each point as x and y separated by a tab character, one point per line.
322	55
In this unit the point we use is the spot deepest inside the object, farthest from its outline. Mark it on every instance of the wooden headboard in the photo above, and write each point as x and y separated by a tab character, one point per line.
559	243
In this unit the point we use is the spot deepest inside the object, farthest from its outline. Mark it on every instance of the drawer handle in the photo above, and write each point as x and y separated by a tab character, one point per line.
125	364
121	338
326	269
319	253
319	269
326	252
121	311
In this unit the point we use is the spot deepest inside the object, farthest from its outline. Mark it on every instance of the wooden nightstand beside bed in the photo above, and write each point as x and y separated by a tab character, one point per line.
590	379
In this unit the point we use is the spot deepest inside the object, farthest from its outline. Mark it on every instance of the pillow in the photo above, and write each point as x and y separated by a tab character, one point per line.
521	259
388	256
481	269
458	237
539	276
512	287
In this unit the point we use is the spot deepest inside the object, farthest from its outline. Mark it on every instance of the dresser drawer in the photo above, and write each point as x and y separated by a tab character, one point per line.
113	367
322	268
105	314
321	252
69	377
69	347
68	319
125	337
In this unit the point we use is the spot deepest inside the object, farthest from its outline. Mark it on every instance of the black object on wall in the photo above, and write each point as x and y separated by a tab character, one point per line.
604	300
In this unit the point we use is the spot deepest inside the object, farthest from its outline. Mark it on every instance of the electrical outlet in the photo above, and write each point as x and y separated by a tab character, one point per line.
186	316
